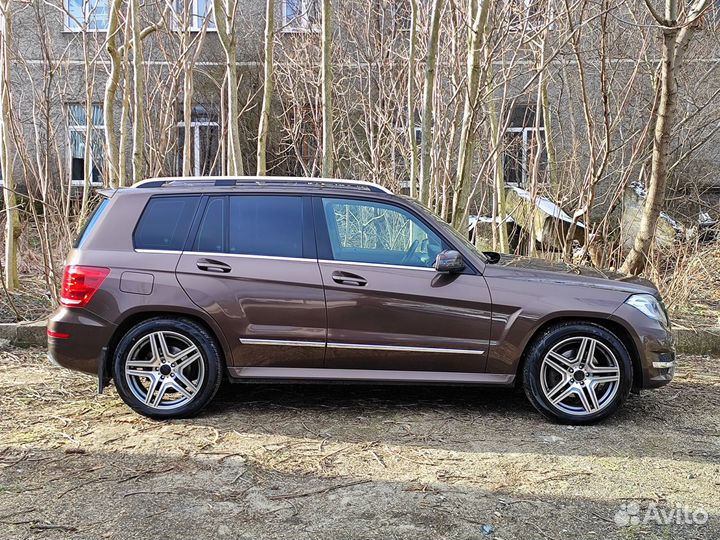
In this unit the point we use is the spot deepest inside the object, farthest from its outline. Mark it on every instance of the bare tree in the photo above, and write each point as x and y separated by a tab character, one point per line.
264	125
463	177
225	17
676	37
426	129
327	91
12	218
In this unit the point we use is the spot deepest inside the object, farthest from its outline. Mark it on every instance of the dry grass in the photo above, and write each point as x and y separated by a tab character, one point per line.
348	462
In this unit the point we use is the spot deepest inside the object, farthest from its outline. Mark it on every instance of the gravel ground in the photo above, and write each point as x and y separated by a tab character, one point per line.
335	462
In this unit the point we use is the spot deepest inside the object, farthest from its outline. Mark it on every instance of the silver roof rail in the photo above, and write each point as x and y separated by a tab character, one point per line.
229	181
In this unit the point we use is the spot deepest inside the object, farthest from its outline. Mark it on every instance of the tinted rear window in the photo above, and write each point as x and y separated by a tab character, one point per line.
211	233
164	223
266	225
92	219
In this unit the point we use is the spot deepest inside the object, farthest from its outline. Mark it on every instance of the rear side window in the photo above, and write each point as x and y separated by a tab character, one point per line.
164	223
211	233
266	225
90	223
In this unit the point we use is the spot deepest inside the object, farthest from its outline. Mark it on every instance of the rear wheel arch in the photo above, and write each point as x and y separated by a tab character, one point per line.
612	326
138	317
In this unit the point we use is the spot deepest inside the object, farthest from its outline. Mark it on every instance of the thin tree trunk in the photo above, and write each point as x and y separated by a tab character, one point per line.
327	100
111	87
411	98
12	217
225	21
463	175
428	92
138	127
264	125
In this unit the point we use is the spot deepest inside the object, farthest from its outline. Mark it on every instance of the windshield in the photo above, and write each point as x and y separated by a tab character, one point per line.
446	228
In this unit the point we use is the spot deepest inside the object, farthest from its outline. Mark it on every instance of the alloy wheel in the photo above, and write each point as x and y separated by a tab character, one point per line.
580	376
165	370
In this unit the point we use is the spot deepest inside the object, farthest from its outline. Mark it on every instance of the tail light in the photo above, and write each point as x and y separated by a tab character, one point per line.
80	283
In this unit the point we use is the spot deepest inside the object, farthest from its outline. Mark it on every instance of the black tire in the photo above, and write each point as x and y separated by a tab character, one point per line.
175	332
566	335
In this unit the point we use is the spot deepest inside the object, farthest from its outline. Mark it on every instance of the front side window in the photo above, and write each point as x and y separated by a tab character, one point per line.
301	15
165	223
78	136
194	14
89	15
374	232
266	225
204	133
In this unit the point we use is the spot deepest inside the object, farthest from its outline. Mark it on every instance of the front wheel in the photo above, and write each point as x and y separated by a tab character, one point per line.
167	368
577	373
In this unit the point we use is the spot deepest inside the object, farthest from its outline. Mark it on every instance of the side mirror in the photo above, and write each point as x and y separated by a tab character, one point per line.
492	257
449	262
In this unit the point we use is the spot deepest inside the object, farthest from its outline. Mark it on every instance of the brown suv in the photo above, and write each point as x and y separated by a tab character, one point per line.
175	283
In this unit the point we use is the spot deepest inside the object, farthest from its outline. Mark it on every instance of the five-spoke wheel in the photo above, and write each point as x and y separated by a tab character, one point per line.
577	372
167	368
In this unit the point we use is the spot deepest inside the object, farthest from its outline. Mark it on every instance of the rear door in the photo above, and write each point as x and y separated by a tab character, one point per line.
388	309
252	266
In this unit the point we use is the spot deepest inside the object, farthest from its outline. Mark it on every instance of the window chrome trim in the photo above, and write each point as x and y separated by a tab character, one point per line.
282	342
402	348
160	251
246	256
378	265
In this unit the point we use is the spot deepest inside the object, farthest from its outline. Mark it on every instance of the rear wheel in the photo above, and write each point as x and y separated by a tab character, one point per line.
577	373
167	368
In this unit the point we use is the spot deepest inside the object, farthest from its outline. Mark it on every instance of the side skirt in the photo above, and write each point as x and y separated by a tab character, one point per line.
367	375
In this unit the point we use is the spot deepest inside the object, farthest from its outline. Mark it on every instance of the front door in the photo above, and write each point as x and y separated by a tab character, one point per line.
387	308
253	267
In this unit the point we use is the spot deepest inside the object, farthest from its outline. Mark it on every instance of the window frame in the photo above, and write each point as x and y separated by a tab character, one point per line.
529	133
288	27
80	129
324	246
195	131
69	23
176	24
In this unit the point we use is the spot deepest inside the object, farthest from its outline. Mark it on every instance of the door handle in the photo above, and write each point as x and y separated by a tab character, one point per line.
346	278
211	265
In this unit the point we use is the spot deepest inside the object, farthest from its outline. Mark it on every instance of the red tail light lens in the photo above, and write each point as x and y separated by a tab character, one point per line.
80	283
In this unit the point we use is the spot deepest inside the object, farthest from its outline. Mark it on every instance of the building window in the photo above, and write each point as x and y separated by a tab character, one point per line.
205	142
198	12
526	14
88	15
301	15
523	140
77	135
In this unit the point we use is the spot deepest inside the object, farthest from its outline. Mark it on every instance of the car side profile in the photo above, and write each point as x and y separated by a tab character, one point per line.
177	283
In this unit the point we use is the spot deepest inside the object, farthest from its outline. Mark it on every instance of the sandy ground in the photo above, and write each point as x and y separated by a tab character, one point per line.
341	462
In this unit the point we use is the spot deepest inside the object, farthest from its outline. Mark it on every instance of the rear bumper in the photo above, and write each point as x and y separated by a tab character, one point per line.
87	335
655	345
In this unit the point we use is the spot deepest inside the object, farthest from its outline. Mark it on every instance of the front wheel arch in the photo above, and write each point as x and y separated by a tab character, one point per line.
616	328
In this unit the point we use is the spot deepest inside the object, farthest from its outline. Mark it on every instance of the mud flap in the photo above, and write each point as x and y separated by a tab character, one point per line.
103	378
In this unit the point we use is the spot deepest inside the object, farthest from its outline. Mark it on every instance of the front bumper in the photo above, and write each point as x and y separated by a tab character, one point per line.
655	345
84	337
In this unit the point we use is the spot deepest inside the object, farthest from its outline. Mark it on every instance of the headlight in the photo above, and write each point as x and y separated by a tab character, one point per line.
650	306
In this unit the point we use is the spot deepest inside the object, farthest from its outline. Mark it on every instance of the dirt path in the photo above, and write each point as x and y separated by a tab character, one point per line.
350	462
